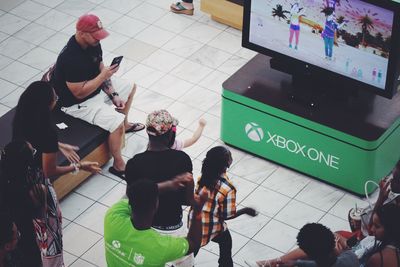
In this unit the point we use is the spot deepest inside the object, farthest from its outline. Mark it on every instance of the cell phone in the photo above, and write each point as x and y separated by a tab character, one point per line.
117	61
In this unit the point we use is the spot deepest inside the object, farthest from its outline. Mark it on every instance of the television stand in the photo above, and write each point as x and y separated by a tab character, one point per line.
344	143
310	89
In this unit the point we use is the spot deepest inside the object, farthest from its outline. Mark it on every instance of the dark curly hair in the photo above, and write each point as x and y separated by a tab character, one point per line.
214	165
318	242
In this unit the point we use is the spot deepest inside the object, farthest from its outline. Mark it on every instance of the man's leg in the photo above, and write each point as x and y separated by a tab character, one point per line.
128	94
115	144
128	105
95	111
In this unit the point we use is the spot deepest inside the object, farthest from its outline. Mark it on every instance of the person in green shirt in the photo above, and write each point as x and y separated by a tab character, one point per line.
129	238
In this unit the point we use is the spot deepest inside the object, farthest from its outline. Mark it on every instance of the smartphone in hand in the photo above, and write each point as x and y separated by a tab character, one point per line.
116	61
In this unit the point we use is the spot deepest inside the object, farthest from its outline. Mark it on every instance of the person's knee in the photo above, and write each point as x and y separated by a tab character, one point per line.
133	90
119	130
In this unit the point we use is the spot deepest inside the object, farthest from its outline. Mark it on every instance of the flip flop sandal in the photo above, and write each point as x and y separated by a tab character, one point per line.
120	174
180	9
136	127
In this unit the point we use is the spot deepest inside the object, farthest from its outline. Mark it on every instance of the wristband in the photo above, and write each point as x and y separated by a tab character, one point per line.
111	96
76	167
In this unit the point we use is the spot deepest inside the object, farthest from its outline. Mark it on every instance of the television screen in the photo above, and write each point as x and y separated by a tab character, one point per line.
351	38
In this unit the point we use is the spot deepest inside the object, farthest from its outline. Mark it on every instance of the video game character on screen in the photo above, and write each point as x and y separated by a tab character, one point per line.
328	35
295	15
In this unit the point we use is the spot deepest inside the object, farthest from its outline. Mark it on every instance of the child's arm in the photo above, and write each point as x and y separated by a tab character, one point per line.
249	211
341	25
196	134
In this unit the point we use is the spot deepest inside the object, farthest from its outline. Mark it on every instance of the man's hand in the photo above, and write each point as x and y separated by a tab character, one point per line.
340	244
181	181
118	102
69	152
107	72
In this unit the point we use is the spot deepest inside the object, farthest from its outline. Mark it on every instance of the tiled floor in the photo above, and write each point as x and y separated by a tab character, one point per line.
179	64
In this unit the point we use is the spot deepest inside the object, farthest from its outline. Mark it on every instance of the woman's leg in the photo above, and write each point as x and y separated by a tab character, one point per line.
297	34
326	43
291	36
183	7
224	241
330	44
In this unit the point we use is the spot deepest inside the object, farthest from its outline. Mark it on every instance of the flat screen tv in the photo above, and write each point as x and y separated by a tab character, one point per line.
346	43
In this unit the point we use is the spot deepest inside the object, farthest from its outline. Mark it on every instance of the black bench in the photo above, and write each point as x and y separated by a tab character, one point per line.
90	139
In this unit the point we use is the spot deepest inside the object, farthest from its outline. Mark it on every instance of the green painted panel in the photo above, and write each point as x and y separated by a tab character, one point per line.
306	146
364	144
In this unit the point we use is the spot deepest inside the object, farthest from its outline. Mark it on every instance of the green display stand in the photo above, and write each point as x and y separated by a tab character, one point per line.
342	144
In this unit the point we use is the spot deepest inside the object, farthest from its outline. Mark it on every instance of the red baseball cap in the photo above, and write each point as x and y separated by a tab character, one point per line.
91	24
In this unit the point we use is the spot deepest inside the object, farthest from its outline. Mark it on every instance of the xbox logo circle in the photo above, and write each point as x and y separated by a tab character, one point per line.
116	244
254	131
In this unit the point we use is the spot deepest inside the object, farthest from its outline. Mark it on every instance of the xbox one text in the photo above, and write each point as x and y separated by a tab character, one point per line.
256	134
307	152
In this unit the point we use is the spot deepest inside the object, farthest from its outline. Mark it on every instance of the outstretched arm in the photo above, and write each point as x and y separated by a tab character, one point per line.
249	211
196	134
296	254
341	25
69	151
50	167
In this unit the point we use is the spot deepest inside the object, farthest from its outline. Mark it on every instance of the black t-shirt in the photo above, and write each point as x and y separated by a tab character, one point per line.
161	166
43	139
75	64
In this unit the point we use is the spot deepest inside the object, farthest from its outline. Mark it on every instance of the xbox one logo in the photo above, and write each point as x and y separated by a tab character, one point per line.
116	244
254	132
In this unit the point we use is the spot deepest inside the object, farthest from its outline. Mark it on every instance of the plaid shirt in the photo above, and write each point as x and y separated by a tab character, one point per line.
221	205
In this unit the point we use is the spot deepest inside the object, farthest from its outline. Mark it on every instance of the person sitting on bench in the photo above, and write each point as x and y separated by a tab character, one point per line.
79	77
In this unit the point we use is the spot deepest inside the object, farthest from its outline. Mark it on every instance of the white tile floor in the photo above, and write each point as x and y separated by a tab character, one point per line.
178	63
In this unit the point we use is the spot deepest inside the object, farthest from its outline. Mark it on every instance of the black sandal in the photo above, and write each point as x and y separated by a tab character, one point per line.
120	174
136	127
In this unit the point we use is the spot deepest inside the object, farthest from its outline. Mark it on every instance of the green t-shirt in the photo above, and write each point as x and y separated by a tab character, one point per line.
126	246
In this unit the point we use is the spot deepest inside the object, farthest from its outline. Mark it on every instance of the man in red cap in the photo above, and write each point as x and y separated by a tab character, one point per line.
80	76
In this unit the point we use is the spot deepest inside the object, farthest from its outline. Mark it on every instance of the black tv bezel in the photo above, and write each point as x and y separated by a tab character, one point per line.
296	65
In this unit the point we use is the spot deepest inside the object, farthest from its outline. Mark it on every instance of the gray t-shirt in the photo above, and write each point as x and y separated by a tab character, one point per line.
345	259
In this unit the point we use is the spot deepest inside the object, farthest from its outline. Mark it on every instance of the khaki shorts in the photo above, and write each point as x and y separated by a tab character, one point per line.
99	110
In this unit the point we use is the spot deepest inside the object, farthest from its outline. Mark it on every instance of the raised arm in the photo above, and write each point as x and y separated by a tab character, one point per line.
50	167
249	211
196	135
